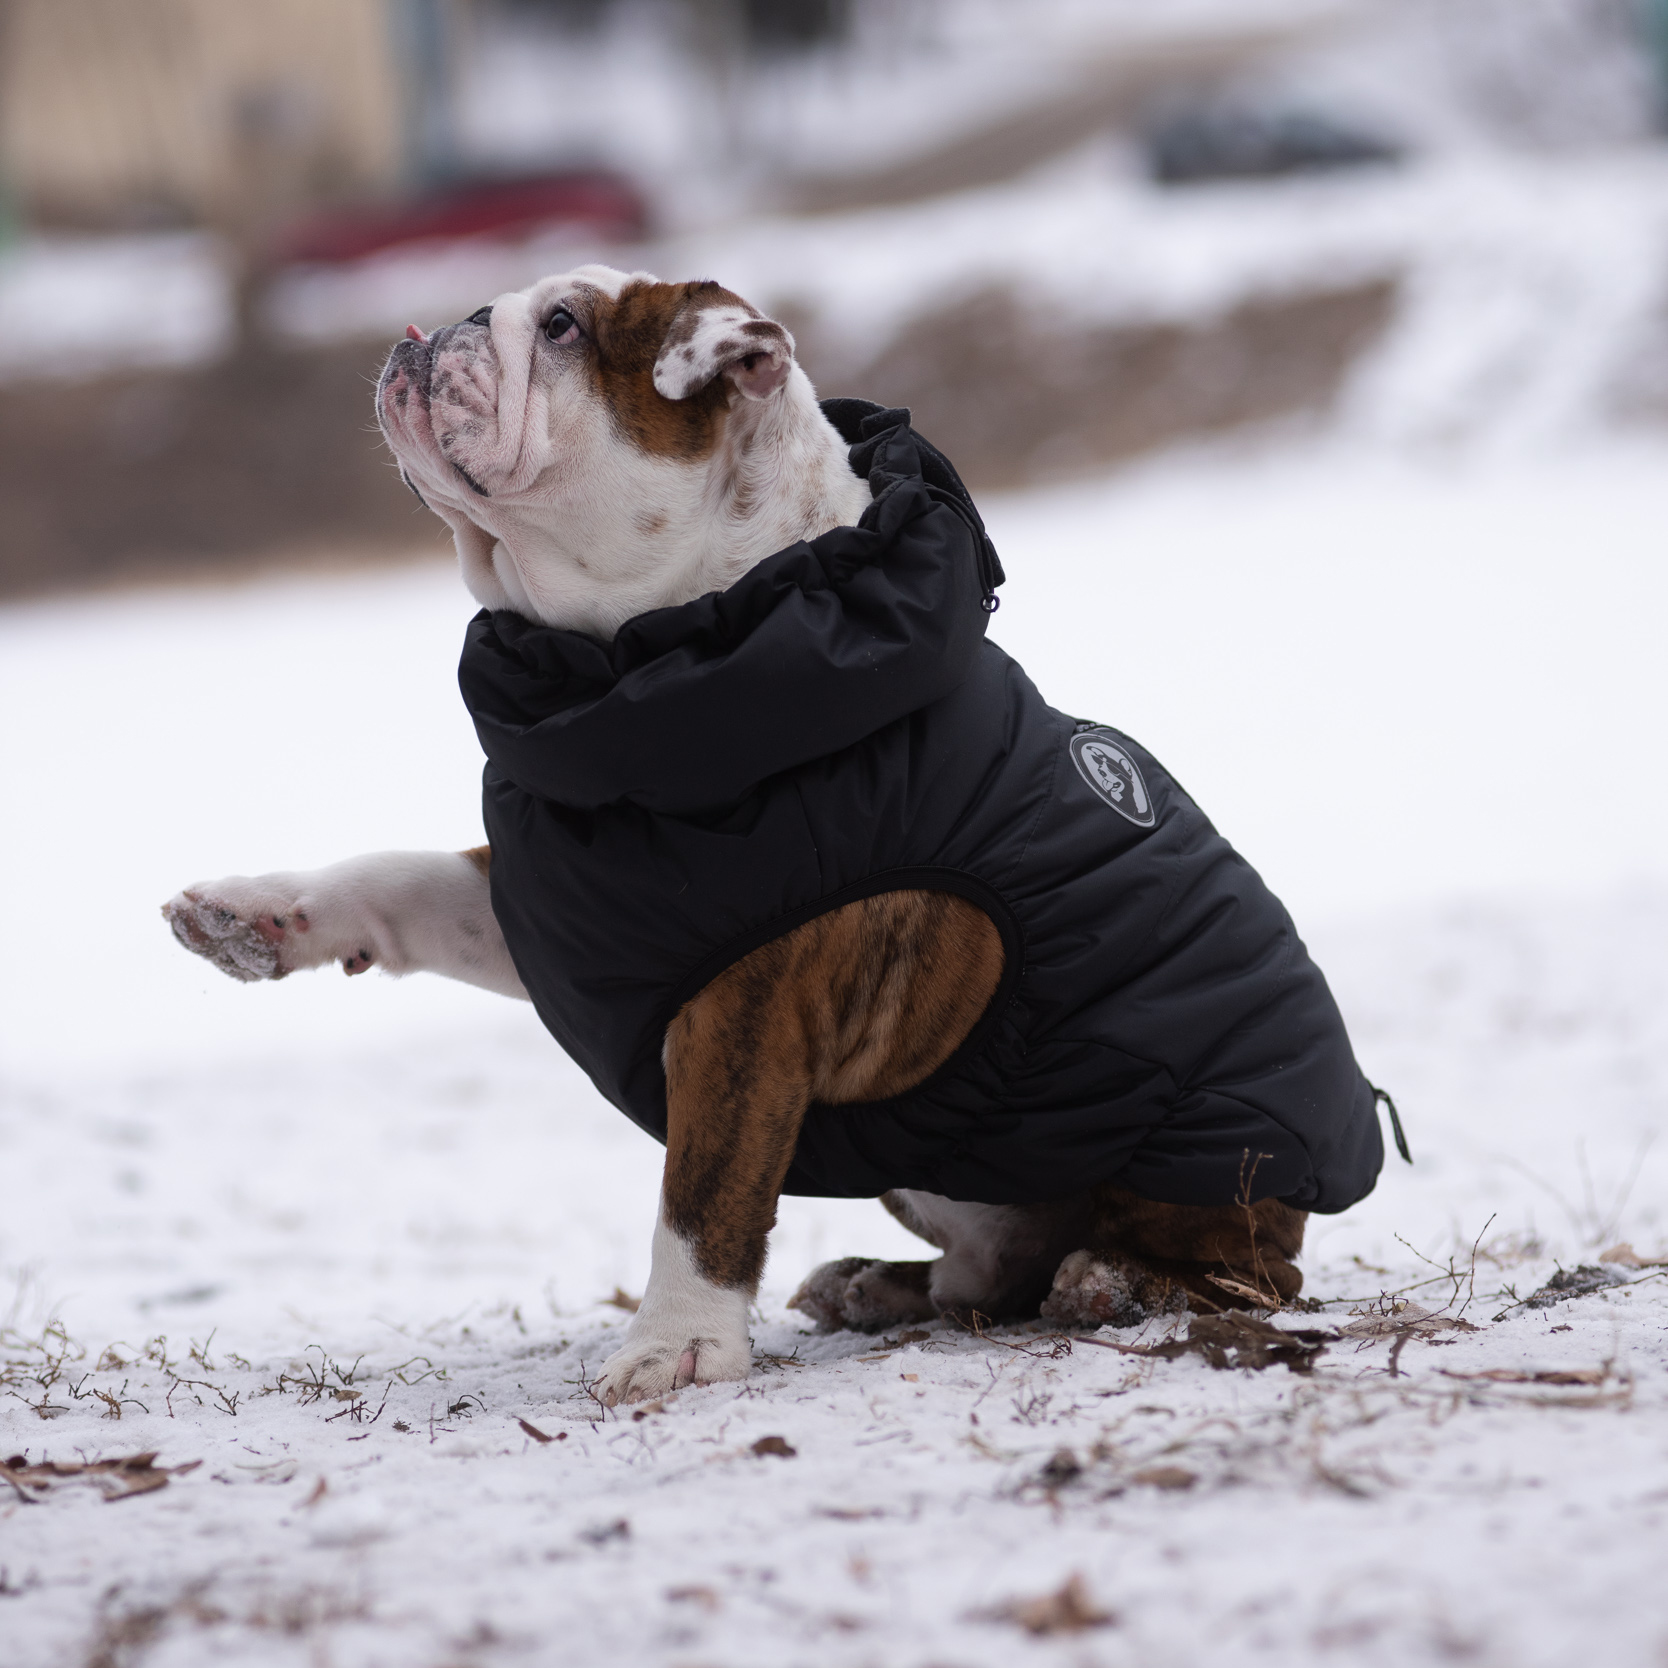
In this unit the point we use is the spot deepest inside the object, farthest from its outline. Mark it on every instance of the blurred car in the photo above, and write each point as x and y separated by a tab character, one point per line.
508	210
1224	143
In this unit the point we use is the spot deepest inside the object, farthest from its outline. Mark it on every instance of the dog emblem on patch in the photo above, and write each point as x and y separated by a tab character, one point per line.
1106	765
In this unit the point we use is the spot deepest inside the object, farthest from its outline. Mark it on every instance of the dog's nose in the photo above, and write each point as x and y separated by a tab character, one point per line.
482	315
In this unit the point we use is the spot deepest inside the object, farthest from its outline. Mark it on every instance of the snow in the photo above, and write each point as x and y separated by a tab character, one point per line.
73	307
1421	694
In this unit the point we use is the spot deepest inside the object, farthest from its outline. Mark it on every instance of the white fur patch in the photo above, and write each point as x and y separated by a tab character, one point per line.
706	341
688	1331
402	911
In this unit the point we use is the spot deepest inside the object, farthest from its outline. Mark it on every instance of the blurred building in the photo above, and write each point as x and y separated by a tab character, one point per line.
142	113
152	113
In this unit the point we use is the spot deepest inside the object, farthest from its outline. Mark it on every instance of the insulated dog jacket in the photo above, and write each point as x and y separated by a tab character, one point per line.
836	725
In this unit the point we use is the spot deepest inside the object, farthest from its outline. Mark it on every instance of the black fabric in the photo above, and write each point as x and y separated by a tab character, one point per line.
834	725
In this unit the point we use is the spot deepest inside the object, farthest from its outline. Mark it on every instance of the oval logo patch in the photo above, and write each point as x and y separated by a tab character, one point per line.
1105	764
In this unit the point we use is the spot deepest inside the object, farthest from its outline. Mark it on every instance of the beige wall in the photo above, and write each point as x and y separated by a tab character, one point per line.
221	111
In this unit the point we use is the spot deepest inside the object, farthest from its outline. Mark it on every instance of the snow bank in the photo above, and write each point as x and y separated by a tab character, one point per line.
73	307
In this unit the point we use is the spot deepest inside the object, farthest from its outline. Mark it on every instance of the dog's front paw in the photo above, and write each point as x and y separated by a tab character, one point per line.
244	939
257	929
650	1366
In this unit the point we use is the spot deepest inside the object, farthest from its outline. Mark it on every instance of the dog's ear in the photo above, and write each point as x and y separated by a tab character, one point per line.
715	333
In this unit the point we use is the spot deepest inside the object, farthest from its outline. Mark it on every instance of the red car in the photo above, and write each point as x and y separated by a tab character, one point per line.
511	209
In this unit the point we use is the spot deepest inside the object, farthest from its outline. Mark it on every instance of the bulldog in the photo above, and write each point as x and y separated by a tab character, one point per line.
800	867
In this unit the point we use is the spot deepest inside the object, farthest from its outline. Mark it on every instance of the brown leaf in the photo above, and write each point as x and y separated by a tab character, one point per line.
1234	1340
534	1432
705	1597
1406	1319
1173	1477
1070	1610
1626	1257
320	1489
913	1337
115	1479
622	1299
776	1445
1511	1375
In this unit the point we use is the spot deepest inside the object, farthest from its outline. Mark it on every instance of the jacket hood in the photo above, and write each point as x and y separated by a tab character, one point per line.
689	708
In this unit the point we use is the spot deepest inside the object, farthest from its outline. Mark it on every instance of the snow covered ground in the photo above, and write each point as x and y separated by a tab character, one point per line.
343	1244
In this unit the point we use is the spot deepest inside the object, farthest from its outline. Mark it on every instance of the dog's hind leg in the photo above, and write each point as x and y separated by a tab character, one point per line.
865	1295
1143	1256
998	1261
403	911
858	1004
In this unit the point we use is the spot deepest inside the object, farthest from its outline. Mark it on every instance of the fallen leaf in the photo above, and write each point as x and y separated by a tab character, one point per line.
1172	1477
1070	1610
622	1299
776	1445
320	1489
705	1597
115	1479
1557	1375
1405	1320
1627	1257
913	1337
534	1432
1233	1340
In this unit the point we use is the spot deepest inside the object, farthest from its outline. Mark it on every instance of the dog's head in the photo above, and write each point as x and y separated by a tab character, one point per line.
602	443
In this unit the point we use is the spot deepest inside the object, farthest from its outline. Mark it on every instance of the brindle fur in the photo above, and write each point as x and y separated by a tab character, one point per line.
856	1005
862	1004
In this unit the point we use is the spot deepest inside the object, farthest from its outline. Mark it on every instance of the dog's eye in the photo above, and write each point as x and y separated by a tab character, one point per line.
561	326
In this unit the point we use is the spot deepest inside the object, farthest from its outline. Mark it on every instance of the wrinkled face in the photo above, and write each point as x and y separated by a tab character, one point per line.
572	417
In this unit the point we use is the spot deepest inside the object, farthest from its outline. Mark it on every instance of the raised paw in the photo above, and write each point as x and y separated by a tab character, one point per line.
865	1295
265	927
246	944
650	1367
1103	1289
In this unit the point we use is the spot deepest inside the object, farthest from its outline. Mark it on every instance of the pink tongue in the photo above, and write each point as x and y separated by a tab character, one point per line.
413	334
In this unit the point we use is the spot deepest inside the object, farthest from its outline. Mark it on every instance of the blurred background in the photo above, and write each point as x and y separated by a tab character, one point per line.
1309	357
1063	232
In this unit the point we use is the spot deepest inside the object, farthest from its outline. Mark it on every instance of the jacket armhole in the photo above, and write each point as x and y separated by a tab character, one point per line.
922	879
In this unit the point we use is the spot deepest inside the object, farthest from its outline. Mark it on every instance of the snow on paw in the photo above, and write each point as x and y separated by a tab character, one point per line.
822	1293
245	943
863	1294
651	1367
1100	1289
